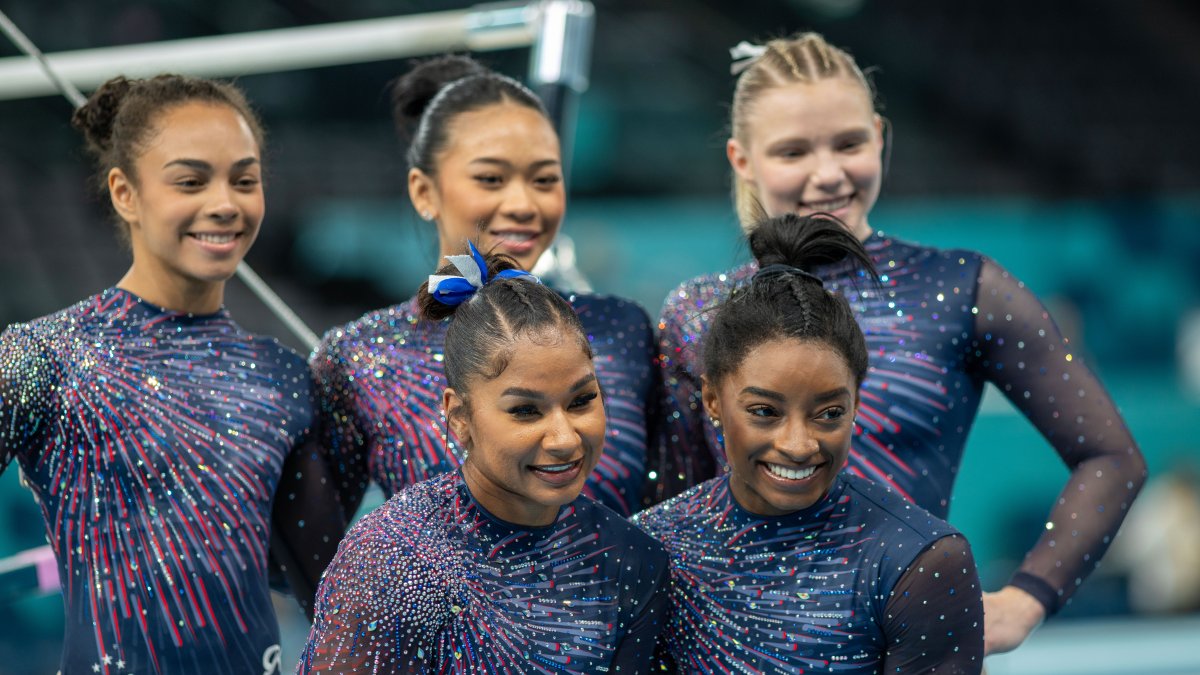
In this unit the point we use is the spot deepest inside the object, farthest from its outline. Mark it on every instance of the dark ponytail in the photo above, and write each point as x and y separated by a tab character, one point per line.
485	328
427	98
786	299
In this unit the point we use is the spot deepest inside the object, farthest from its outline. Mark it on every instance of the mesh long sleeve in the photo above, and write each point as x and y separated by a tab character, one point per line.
1019	348
683	454
934	618
344	442
306	525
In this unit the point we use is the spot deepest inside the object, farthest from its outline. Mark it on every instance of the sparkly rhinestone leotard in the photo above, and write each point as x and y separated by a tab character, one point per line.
153	442
861	582
432	582
943	324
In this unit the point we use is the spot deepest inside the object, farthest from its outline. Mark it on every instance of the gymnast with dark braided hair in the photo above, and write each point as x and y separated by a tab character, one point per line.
500	565
785	564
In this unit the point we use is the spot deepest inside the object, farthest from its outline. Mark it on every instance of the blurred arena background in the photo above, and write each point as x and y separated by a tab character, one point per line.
1057	137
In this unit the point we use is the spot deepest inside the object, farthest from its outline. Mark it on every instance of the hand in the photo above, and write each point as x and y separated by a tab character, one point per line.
1009	616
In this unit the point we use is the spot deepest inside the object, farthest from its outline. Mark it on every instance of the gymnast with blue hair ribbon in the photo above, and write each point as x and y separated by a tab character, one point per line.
502	562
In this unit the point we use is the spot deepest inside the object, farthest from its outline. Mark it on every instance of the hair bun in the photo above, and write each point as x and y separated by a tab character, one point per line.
412	92
804	242
95	118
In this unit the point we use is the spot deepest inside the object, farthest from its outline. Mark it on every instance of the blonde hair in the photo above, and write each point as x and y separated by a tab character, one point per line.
804	58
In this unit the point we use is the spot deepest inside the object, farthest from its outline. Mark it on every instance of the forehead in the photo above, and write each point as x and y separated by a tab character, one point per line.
501	130
546	360
201	130
823	107
799	368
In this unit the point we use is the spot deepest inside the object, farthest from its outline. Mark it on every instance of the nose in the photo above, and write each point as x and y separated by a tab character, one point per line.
222	208
828	172
560	438
796	441
519	204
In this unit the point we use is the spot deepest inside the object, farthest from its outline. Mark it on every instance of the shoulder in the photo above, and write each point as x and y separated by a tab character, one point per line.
895	251
601	310
892	515
39	340
410	524
700	292
341	344
676	516
613	525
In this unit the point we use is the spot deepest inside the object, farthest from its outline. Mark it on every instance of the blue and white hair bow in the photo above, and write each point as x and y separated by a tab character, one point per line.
451	290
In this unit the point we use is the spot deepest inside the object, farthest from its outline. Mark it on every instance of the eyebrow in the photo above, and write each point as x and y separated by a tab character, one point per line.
505	163
776	396
539	396
201	165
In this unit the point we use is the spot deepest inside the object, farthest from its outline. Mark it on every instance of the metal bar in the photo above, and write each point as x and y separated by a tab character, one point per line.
481	28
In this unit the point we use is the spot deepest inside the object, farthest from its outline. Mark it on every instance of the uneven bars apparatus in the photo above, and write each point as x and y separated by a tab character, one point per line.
559	32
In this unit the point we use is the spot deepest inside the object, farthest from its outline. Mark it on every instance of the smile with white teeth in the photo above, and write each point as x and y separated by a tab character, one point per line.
210	238
518	237
829	204
557	468
789	473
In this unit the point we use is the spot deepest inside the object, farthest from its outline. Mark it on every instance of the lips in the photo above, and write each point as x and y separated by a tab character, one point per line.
558	474
828	205
515	242
216	243
791	476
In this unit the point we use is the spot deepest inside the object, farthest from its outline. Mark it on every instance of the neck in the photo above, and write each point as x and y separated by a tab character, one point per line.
863	231
174	293
504	504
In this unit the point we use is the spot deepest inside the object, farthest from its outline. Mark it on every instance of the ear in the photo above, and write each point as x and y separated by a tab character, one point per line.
708	393
455	409
123	194
422	193
739	159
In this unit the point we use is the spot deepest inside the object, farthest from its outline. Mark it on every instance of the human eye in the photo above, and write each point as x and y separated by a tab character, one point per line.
833	414
584	400
247	182
189	183
489	179
524	411
548	180
763	412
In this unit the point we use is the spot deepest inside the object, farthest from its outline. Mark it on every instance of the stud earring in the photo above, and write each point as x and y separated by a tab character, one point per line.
715	422
427	216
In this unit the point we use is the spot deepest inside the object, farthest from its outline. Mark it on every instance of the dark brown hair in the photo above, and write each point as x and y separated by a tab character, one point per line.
785	300
120	117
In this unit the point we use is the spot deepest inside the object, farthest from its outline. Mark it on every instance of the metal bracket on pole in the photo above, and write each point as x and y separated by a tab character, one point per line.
560	63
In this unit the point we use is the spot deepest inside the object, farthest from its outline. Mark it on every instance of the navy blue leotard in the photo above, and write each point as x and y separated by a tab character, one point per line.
943	324
153	442
432	582
861	582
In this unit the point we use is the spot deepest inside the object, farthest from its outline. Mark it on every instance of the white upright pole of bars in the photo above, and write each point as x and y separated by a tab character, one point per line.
559	31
